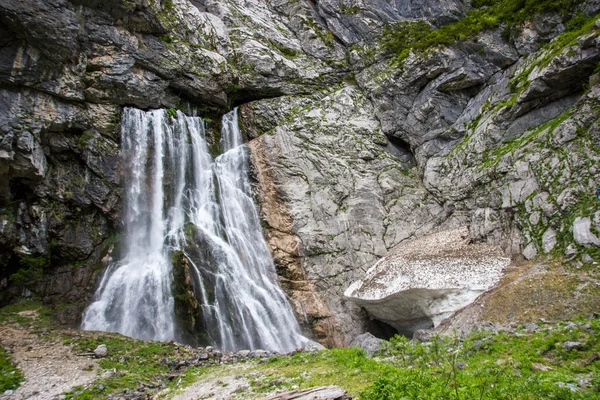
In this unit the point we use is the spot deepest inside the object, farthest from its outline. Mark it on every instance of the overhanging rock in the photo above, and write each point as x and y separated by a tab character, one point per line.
421	282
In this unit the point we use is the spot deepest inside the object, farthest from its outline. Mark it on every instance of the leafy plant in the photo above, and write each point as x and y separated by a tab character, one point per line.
172	113
32	269
488	365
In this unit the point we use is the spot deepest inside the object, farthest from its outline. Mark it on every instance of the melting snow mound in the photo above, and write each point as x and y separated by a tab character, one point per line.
421	282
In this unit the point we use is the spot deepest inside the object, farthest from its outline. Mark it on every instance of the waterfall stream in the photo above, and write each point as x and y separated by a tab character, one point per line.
181	201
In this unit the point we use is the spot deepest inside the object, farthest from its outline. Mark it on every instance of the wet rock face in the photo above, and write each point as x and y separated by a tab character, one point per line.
423	281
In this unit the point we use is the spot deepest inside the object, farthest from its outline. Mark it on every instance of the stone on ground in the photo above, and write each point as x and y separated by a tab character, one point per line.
368	342
101	351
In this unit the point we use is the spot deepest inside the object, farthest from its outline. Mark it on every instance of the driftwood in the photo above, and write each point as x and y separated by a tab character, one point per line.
316	393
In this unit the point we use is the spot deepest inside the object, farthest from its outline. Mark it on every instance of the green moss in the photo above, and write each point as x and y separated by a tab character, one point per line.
167	5
286	51
83	140
167	39
349	10
583	26
492	156
172	113
325	35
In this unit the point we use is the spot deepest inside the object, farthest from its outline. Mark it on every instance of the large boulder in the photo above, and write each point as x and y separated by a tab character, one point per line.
421	282
368	343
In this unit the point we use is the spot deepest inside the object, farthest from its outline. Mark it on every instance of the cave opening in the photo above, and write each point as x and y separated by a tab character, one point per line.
381	330
400	148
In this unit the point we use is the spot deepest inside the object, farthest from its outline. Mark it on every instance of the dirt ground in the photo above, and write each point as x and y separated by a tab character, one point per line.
50	368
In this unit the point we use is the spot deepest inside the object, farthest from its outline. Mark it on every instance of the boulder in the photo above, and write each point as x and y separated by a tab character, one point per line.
368	342
549	240
421	282
311	345
424	335
582	233
101	351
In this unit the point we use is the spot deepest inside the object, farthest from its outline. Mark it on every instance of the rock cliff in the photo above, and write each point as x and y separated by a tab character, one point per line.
353	152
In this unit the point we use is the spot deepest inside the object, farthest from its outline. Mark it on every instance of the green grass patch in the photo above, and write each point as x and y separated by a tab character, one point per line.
484	365
10	376
348	368
27	313
492	156
284	50
133	362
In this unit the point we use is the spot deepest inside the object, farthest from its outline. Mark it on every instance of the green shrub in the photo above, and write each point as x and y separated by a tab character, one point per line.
172	113
31	271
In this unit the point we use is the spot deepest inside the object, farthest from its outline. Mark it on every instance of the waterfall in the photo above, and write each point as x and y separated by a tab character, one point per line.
181	201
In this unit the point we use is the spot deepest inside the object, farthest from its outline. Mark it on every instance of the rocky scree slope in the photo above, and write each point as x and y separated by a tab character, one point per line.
352	153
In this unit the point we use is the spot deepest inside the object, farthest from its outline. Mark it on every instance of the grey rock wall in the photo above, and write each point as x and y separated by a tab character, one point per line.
352	154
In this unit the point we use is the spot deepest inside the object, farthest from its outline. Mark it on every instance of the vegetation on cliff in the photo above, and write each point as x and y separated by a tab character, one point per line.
418	36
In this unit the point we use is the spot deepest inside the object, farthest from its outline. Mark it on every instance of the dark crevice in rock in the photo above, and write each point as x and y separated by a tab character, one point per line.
380	329
199	4
243	96
400	149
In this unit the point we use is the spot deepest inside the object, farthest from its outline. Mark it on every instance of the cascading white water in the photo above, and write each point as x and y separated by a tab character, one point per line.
178	199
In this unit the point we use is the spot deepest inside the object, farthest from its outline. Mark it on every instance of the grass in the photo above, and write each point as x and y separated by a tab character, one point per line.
492	156
10	376
29	313
580	26
349	368
419	37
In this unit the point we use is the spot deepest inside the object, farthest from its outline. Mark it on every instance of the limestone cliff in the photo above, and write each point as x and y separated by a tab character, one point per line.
353	152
